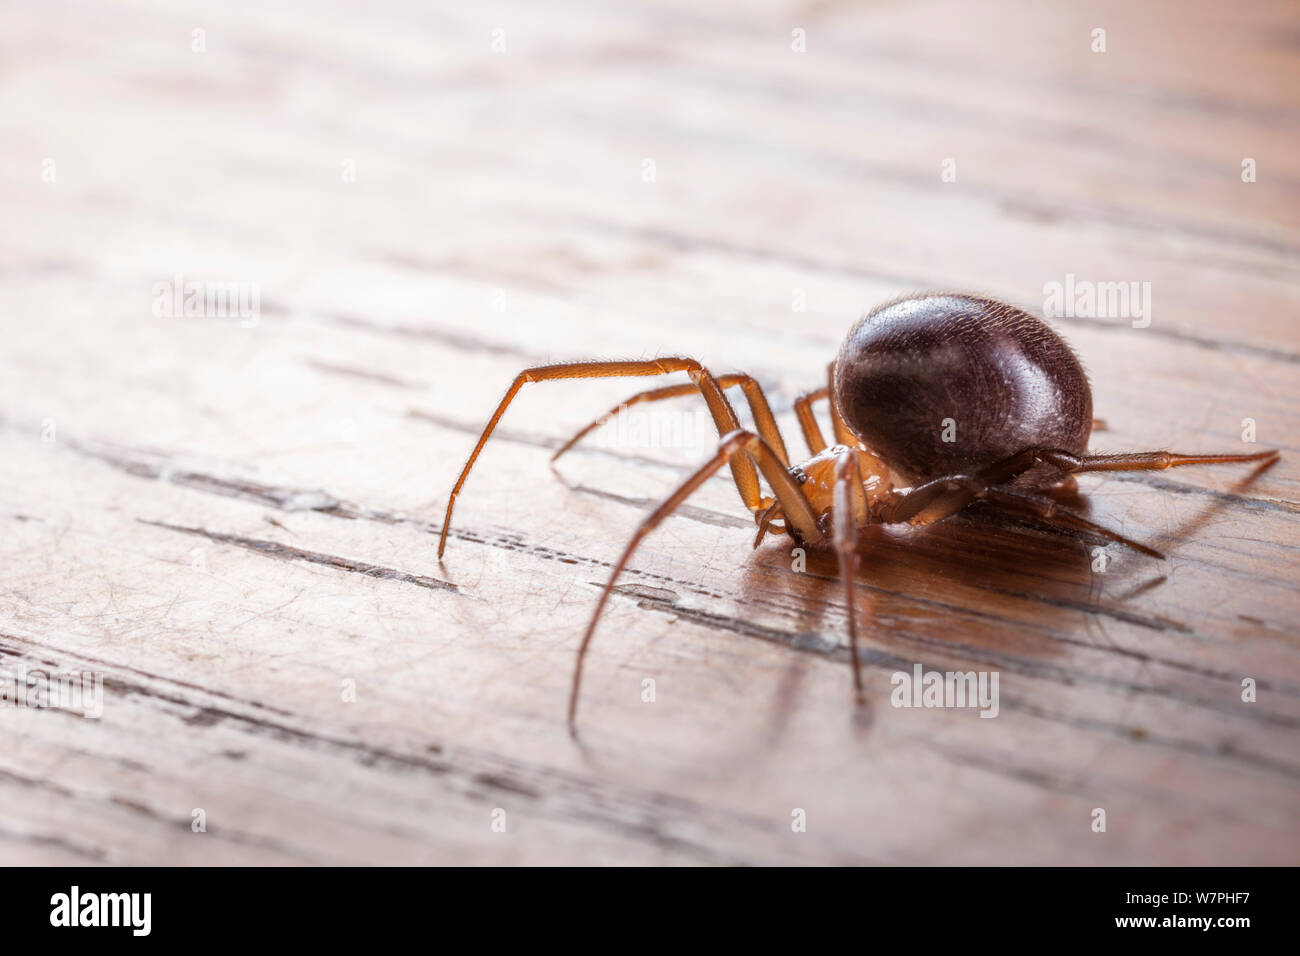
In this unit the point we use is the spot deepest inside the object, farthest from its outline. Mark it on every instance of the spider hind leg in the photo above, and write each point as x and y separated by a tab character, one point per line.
798	515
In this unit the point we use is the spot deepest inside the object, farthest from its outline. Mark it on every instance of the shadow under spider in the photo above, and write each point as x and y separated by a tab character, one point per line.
982	579
940	595
970	572
913	582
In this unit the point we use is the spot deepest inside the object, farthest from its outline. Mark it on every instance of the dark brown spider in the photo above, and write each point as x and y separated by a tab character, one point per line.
959	397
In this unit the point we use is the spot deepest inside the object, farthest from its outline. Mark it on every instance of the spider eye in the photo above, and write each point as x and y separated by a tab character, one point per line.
798	474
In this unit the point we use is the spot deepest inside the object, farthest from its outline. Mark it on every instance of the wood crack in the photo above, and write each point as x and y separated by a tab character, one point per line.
284	552
622	809
812	643
513	542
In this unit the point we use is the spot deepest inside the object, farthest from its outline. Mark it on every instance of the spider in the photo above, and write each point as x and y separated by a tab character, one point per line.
958	398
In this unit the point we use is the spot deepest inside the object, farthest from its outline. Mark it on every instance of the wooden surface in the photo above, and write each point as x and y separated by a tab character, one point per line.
229	524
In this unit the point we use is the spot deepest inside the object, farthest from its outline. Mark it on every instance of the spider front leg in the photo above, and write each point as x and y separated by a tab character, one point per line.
764	420
798	513
724	416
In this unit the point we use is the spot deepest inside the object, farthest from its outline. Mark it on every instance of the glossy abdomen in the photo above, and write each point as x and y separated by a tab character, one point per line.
991	378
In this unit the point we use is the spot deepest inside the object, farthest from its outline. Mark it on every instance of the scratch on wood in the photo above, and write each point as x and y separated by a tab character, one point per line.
285	552
872	657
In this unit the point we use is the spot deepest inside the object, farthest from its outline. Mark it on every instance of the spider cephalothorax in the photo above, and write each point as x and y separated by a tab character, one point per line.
962	398
816	479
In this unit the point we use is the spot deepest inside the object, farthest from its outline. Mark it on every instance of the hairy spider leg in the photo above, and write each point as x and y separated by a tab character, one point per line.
812	432
798	513
764	421
1053	513
843	433
948	494
1068	463
962	490
742	467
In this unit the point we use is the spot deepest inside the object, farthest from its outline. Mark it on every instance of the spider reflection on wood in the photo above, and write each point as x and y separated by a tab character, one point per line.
961	398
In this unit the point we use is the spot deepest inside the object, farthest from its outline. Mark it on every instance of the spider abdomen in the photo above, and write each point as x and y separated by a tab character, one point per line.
949	383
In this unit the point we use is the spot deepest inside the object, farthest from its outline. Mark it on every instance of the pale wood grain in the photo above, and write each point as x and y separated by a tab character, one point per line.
231	523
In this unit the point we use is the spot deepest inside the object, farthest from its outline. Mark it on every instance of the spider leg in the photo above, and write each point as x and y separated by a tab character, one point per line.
945	496
652	395
798	513
1054	513
843	434
850	501
935	500
1068	463
764	421
742	468
812	432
